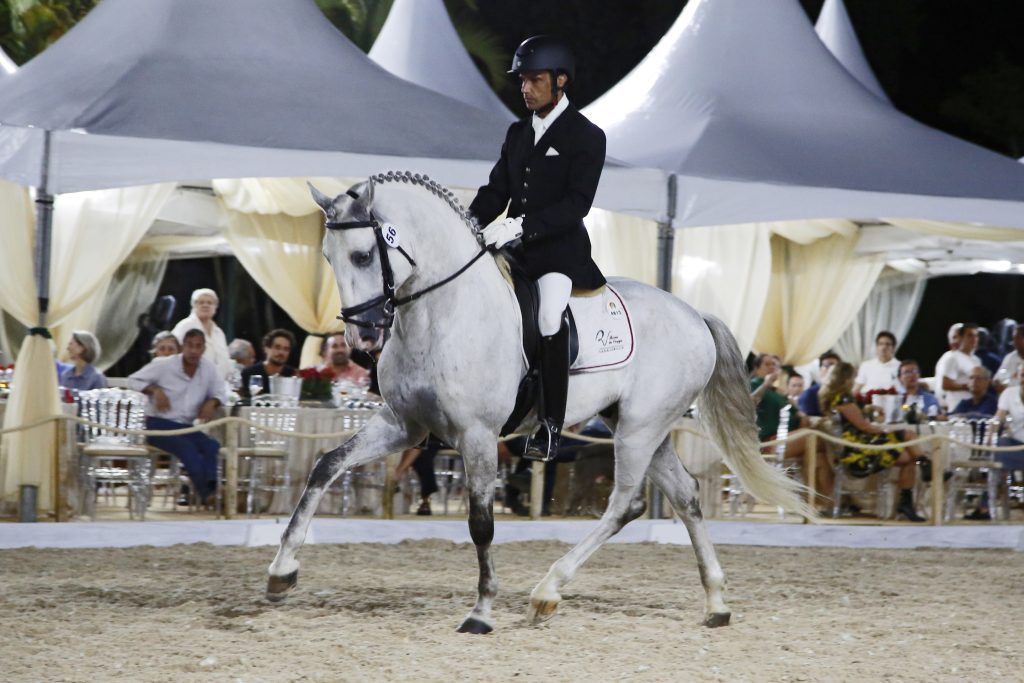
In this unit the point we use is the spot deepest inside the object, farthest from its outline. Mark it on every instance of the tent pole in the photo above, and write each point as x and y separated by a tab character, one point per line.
666	247
44	233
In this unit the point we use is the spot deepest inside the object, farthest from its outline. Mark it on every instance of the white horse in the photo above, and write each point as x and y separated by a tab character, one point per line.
454	361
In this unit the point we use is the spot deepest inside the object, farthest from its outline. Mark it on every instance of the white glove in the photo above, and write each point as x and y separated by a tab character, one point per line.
502	232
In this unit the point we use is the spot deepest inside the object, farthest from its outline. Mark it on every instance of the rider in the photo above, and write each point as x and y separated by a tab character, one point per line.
547	175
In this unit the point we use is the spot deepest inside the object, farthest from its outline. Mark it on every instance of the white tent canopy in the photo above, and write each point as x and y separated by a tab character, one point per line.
419	43
836	31
744	102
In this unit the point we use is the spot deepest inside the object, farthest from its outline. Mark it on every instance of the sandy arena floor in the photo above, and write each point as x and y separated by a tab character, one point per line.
388	613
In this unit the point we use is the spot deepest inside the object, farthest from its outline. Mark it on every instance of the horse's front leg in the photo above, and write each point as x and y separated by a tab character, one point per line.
384	433
479	449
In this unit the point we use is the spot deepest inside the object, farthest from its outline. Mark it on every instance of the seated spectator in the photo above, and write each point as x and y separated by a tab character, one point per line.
83	350
956	368
1007	375
794	388
837	395
242	353
879	372
1010	413
277	347
982	401
986	351
165	344
421	459
183	389
808	402
769	401
204	308
914	393
336	354
953	340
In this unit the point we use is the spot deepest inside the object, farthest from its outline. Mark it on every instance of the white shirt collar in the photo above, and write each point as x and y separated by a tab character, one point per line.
541	125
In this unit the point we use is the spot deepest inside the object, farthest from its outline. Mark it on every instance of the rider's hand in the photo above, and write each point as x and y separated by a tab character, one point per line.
502	232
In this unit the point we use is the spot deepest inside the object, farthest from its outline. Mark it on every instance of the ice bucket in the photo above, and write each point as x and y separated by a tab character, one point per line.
287	386
891	406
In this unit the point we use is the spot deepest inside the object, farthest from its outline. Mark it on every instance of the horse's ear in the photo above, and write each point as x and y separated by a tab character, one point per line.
322	200
363	193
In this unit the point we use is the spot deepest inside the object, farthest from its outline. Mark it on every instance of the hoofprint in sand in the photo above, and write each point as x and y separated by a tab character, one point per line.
370	612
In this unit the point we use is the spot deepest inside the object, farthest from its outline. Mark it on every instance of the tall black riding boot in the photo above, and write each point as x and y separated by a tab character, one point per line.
554	380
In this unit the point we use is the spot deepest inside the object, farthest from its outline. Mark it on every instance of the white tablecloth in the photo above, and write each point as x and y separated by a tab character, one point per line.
304	452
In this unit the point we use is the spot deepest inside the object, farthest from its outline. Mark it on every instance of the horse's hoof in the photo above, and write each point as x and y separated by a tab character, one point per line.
541	610
472	625
716	619
279	586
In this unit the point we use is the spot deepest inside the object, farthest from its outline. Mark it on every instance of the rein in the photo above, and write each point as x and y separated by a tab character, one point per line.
388	300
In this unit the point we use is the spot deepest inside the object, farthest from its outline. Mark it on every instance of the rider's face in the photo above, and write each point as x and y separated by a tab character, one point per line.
536	89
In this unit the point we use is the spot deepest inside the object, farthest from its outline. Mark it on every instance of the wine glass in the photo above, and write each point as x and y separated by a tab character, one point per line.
255	385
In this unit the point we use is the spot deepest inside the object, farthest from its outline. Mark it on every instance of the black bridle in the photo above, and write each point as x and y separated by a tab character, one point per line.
388	301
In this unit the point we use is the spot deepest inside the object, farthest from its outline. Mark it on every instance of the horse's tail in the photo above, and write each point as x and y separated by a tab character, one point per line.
727	414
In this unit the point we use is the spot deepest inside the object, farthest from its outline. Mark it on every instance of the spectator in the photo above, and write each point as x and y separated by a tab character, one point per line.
957	370
204	307
336	354
183	389
81	374
1011	405
982	400
769	401
879	372
953	340
986	351
164	344
421	459
809	398
1007	375
794	388
242	353
837	395
277	347
914	394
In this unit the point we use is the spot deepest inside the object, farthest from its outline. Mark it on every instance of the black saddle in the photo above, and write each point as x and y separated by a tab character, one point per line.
528	297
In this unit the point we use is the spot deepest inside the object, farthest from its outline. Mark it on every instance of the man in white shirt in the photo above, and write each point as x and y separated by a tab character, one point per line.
1007	375
183	389
956	371
881	372
953	339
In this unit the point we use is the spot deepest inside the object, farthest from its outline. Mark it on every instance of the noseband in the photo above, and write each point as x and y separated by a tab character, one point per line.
386	238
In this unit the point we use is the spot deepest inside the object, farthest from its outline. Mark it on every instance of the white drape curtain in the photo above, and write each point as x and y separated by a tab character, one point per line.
624	246
131	292
815	291
892	305
965	231
282	254
93	232
724	270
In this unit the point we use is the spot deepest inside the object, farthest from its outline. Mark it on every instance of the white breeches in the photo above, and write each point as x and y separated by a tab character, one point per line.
555	290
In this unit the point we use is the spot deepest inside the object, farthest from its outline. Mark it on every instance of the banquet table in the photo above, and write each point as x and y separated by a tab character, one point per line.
303	453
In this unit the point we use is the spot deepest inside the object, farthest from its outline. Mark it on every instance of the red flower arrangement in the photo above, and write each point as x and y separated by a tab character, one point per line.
865	398
316	383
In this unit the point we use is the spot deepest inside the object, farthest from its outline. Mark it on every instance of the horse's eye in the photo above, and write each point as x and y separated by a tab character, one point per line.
361	259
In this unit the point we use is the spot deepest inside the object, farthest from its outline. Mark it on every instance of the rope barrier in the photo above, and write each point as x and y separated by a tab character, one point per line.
212	424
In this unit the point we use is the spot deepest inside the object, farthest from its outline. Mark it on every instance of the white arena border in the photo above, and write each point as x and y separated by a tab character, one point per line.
260	532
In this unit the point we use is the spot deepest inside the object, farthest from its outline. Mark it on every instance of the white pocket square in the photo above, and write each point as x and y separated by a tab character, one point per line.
552	152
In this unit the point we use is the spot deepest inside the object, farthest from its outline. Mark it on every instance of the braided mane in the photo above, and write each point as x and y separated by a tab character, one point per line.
434	188
451	200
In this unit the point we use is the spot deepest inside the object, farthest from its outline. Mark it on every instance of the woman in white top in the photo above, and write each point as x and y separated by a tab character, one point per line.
204	307
1011	405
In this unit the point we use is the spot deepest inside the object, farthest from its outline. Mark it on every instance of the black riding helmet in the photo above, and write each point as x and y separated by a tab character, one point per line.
544	53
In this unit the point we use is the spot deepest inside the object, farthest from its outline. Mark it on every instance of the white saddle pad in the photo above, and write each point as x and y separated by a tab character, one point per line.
605	332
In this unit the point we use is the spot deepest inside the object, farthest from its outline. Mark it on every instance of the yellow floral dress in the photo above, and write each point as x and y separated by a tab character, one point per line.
861	462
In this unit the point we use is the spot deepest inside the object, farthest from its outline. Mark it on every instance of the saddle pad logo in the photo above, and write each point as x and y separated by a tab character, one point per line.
605	332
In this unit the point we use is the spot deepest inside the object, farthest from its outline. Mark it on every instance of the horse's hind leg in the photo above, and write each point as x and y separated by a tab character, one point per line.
384	433
625	504
669	475
479	450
